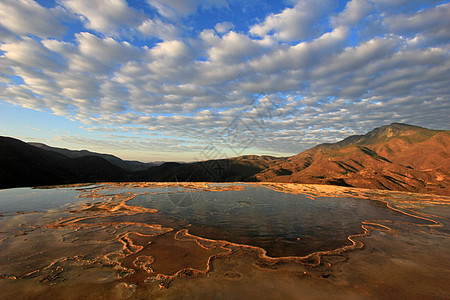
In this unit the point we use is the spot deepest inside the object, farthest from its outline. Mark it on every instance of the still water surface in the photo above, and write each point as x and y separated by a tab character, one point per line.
281	223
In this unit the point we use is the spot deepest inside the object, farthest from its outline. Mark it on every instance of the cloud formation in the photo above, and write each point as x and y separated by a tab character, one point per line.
103	15
174	9
310	73
24	17
296	23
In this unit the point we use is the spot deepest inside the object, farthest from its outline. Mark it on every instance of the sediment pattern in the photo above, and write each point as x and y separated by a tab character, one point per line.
109	242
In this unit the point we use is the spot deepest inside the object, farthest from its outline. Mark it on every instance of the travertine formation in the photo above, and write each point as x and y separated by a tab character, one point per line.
103	247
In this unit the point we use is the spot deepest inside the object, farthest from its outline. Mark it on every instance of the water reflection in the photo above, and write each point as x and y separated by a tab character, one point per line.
281	223
39	200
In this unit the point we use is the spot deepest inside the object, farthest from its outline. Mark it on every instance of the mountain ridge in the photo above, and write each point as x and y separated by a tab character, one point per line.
394	157
128	165
22	164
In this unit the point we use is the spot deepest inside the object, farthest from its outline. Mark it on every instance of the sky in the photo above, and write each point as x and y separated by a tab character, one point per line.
189	80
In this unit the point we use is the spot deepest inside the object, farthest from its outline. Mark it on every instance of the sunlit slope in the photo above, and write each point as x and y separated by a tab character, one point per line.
394	157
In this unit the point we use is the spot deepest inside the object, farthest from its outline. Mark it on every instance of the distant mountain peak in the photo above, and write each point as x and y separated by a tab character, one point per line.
398	128
383	133
395	156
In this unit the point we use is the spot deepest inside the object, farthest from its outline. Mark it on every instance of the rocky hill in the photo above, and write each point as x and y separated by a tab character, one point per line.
394	157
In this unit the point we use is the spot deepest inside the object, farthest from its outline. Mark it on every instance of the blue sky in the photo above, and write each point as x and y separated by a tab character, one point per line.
190	80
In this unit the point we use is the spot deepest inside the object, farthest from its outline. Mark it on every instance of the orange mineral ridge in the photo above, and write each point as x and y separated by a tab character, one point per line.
101	244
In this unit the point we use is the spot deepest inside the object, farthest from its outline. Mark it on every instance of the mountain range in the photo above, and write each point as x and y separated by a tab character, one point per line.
394	157
127	165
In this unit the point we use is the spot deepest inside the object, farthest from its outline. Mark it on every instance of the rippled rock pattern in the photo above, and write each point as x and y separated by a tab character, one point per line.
197	240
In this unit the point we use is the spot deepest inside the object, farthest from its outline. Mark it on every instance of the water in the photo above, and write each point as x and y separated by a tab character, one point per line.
283	224
85	241
37	200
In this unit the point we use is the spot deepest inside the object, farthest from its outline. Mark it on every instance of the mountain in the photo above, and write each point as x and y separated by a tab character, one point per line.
128	165
24	165
241	168
394	157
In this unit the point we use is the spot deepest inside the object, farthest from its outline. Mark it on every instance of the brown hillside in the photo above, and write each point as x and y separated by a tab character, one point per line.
394	157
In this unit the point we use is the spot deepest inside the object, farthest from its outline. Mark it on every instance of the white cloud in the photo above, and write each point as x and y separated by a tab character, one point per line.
354	58
28	52
97	55
173	50
396	6
427	27
354	11
106	50
105	16
24	17
174	9
233	48
302	55
77	83
224	27
160	29
79	87
294	24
